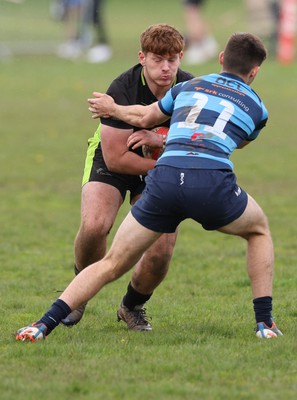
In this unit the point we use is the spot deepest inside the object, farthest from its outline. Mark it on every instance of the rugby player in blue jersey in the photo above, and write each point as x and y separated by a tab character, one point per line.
211	116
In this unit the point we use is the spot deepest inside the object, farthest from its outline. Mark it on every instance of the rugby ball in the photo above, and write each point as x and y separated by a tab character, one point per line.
155	152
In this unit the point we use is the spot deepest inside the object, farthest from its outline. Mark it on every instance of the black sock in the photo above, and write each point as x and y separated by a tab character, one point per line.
58	311
134	298
263	310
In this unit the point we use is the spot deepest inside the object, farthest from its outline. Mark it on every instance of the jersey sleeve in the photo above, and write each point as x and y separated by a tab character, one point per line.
260	125
166	104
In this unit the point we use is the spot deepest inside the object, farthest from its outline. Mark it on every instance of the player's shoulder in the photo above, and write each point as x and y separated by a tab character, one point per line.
130	76
125	87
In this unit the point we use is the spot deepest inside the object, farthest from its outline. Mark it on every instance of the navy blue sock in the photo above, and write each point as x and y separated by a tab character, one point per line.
55	314
134	298
263	310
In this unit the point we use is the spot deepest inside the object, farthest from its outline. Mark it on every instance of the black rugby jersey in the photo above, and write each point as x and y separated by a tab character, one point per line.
131	88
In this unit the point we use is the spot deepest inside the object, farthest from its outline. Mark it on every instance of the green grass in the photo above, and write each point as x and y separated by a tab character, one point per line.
202	345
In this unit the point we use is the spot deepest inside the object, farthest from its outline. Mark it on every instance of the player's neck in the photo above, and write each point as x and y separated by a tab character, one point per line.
159	91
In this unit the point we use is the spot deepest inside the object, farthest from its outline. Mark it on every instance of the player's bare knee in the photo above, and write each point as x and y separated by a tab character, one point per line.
259	228
157	262
262	225
95	229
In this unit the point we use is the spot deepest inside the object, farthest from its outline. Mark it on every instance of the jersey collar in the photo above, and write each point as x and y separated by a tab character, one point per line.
232	76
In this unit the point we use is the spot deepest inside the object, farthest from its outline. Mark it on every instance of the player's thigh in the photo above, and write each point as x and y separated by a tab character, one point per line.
130	242
252	220
100	204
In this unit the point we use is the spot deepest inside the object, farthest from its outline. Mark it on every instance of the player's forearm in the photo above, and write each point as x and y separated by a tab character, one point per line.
131	164
135	115
141	116
103	105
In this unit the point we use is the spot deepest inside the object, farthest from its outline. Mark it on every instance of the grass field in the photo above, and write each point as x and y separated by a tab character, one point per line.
202	345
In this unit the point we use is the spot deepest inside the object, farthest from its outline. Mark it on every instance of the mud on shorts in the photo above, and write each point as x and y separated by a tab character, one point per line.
210	197
96	171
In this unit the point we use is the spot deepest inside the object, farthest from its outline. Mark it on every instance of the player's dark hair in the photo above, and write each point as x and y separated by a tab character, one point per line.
243	52
162	39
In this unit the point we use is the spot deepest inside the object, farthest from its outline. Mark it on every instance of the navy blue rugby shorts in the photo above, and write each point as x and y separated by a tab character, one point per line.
171	195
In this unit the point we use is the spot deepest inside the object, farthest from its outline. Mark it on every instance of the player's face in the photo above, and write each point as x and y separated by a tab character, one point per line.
160	70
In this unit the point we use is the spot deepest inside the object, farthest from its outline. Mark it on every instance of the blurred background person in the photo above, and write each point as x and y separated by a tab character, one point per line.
263	20
84	29
69	11
93	32
201	45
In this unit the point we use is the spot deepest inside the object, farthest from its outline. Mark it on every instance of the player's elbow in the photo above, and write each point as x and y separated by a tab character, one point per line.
113	165
149	116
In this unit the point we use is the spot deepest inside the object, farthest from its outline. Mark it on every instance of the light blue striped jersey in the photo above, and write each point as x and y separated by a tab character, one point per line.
211	116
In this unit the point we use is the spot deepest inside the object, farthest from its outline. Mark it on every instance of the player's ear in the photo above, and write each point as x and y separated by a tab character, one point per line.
181	54
141	58
221	58
254	71
252	75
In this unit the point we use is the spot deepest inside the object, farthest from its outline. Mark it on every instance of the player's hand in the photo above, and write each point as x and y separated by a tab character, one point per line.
101	105
144	136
